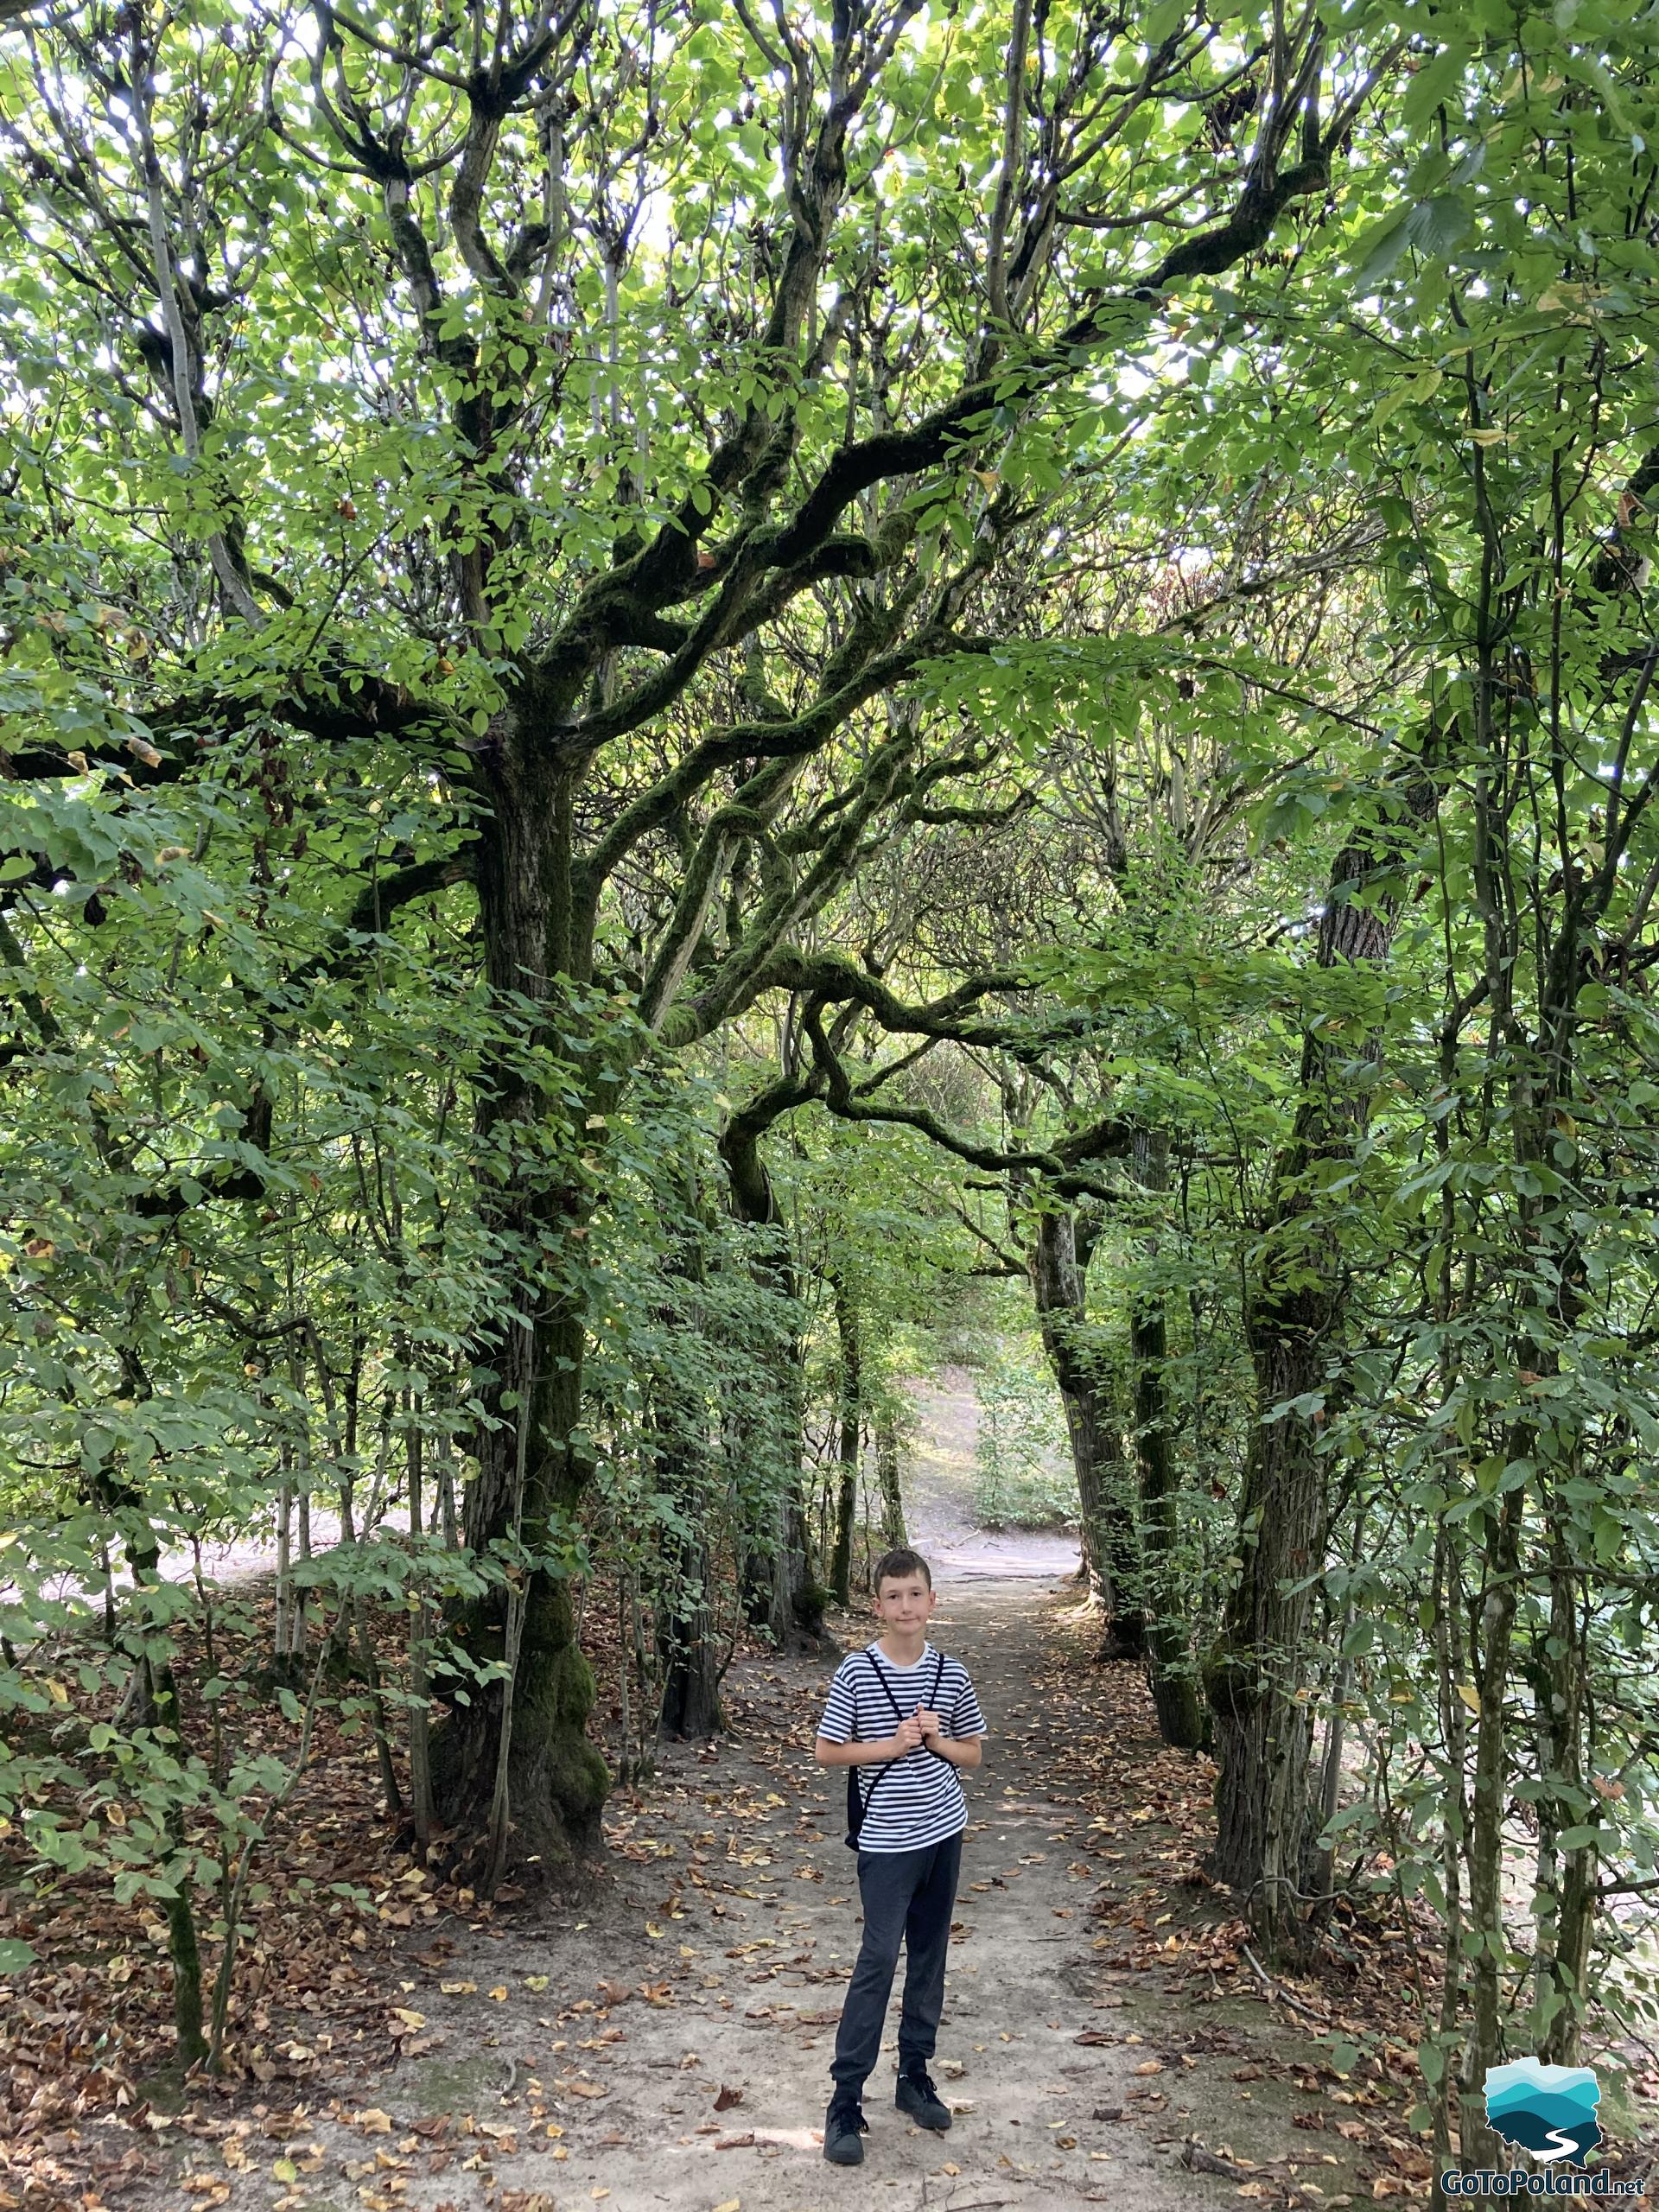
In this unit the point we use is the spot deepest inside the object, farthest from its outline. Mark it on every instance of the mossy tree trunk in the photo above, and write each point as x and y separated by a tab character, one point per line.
780	1590
1058	1253
1169	1645
557	1781
1258	1676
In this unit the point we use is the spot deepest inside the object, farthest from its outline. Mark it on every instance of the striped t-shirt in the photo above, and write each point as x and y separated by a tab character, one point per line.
920	1799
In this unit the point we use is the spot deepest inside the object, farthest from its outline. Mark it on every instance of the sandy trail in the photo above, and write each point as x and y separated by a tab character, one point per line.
939	1492
732	1907
663	2040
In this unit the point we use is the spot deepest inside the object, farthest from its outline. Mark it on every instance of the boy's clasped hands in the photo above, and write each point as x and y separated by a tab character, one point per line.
921	1727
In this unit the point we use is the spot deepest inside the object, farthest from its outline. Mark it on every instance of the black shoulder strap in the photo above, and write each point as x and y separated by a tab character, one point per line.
880	1675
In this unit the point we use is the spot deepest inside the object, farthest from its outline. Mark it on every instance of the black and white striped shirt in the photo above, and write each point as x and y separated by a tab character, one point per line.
920	1799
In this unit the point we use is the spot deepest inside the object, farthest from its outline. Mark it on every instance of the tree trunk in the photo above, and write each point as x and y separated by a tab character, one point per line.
850	1413
1257	1676
684	1612
1562	1994
1480	2145
420	1628
1111	1549
1174	1679
1263	1732
780	1591
887	1478
556	1779
685	1642
185	1956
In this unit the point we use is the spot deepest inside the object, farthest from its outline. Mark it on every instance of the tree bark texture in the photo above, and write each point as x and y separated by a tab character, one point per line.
1169	1647
685	1627
684	1612
850	1423
888	1481
780	1590
1258	1674
1111	1549
1568	1922
557	1780
1479	2144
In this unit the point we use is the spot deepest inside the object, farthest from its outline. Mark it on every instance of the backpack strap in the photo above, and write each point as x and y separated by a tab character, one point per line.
880	1676
858	1800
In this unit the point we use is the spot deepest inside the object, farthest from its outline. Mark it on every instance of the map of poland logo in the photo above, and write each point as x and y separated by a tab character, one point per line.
1548	2110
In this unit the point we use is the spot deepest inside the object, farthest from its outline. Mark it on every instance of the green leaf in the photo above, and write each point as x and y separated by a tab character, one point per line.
1435	226
1382	247
1580	1837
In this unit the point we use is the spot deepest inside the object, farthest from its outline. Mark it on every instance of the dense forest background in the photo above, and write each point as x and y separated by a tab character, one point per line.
705	704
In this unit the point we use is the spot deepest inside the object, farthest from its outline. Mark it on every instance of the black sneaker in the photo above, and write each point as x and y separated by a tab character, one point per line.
917	2095
843	2125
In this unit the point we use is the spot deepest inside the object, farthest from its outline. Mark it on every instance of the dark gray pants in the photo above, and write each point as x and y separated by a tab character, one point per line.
908	1897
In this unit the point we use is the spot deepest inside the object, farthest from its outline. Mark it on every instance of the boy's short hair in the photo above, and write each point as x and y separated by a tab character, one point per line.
898	1563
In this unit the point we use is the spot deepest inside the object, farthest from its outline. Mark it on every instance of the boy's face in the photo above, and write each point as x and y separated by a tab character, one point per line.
904	1602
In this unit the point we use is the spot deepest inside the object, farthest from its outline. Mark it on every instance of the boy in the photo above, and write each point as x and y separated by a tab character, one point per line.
909	1717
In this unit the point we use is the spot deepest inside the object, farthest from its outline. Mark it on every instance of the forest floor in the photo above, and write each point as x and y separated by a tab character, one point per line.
662	2037
665	2040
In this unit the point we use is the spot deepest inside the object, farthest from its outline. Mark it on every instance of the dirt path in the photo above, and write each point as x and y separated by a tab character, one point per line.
665	2040
676	2029
938	1493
